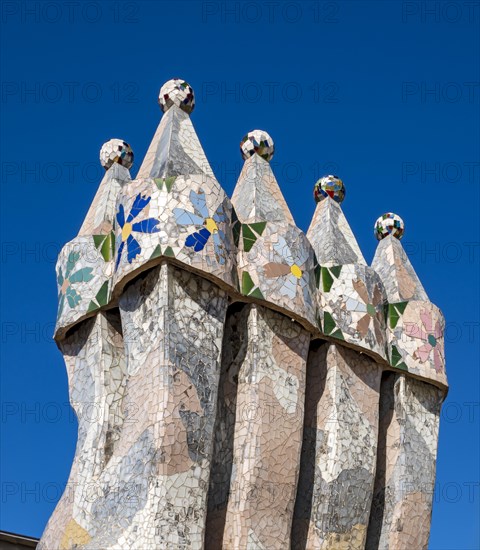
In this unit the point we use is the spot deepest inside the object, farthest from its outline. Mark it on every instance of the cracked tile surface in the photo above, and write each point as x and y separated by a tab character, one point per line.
240	384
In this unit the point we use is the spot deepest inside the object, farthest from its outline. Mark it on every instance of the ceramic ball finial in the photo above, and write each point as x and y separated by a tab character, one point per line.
259	142
176	92
389	224
116	151
329	186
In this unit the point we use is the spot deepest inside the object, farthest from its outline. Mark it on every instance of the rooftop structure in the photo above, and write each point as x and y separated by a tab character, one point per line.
254	386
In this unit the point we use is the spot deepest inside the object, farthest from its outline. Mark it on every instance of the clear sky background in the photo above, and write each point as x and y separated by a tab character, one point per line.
384	94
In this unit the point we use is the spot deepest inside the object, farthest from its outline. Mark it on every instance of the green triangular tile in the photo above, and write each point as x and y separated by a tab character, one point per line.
396	356
247	283
327	279
108	247
98	240
394	312
258	227
102	294
247	232
249	237
92	307
329	324
338	334
165	182
157	252
336	270
169	182
248	243
257	294
169	252
392	316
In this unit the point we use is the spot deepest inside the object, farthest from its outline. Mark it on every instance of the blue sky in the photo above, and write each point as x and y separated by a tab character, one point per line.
385	94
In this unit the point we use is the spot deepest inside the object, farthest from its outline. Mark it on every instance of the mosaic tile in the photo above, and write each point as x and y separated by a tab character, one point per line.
191	223
116	151
350	295
269	370
85	265
338	461
175	150
405	477
275	260
237	383
257	142
329	186
331	236
415	327
176	92
389	224
95	360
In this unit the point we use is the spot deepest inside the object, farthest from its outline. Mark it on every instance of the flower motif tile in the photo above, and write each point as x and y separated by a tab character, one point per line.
416	340
83	278
279	268
127	228
184	217
353	302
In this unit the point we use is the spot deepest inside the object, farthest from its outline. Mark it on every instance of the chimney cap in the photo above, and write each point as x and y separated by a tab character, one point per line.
329	186
257	141
389	224
176	92
116	151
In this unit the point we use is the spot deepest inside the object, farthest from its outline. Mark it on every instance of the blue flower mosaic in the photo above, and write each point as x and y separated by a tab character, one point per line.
145	226
207	225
